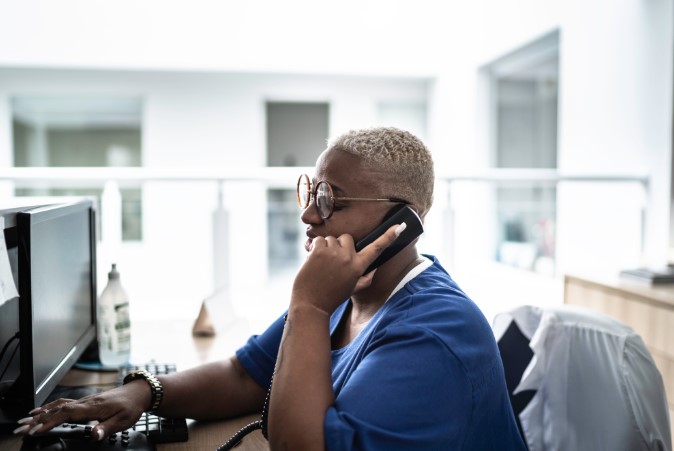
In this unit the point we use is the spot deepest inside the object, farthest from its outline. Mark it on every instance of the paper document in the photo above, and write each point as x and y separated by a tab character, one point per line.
7	287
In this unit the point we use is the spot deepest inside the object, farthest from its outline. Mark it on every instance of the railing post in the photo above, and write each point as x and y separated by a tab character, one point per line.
216	310
220	243
448	225
111	220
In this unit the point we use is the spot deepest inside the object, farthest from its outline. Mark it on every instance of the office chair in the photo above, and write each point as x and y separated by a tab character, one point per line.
581	380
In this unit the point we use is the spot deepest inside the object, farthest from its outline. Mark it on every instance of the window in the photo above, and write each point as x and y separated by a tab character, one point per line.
296	134
523	134
80	132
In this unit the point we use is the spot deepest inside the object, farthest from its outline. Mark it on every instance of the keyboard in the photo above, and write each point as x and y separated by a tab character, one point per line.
157	429
77	437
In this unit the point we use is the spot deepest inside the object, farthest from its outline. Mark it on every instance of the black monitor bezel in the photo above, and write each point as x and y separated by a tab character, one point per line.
33	393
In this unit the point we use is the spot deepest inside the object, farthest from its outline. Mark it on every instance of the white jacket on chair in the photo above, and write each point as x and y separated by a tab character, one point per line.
597	387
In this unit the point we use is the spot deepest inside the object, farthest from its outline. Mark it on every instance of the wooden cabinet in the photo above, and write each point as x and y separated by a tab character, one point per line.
648	309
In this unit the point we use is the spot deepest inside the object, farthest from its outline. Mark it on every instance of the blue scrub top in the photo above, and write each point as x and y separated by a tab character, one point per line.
424	374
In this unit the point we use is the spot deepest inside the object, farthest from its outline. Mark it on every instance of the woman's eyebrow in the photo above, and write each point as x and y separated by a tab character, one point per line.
336	190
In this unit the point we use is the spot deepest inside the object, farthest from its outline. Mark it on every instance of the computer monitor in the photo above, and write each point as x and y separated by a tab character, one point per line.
52	254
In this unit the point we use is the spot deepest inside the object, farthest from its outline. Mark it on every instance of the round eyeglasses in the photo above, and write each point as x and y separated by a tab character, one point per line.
325	199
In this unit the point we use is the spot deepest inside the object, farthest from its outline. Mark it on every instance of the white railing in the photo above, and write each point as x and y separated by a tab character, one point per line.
134	176
114	179
111	179
275	176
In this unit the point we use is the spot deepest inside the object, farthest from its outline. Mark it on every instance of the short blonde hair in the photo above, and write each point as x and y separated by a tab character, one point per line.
399	154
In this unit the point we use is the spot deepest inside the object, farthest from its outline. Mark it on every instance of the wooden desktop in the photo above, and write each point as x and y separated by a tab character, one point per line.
173	342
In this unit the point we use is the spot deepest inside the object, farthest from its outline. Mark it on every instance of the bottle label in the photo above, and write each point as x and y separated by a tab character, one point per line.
114	334
122	331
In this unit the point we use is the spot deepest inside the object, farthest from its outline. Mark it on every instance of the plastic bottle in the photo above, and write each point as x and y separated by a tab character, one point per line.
114	325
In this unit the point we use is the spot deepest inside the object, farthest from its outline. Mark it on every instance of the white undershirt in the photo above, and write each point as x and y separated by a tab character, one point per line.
411	274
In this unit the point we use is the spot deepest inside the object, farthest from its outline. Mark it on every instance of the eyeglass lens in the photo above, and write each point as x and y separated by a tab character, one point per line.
324	197
304	191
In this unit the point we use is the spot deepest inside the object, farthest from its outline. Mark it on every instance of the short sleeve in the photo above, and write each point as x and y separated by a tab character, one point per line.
258	355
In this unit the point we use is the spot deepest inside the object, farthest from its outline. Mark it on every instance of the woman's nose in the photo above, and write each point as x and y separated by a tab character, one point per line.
310	213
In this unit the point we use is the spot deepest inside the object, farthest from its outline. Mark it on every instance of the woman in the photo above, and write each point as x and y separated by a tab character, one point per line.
398	358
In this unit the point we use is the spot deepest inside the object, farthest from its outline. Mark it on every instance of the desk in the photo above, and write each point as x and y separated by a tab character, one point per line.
172	342
210	435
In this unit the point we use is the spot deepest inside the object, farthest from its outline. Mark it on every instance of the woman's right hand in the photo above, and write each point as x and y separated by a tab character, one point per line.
115	410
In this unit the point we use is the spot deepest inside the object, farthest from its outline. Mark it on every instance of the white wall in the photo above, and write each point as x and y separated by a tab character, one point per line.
615	116
205	120
374	37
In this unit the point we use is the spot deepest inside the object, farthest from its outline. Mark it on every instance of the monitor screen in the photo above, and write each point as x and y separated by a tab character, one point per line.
57	296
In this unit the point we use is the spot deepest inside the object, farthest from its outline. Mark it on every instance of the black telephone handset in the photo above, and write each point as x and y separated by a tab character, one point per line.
397	215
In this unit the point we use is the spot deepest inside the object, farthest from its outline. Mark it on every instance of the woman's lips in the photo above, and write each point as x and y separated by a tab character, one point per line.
310	240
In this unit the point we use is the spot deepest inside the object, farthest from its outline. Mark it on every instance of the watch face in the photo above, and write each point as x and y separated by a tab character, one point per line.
135	375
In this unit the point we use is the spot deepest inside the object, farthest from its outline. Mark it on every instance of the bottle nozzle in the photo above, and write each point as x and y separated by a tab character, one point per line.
113	274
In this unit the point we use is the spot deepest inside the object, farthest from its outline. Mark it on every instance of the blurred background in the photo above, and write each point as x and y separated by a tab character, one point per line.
550	123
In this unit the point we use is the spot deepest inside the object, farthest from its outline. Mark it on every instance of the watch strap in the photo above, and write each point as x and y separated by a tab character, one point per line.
156	388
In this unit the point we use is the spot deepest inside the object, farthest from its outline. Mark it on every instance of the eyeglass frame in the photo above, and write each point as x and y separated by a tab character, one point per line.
333	198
